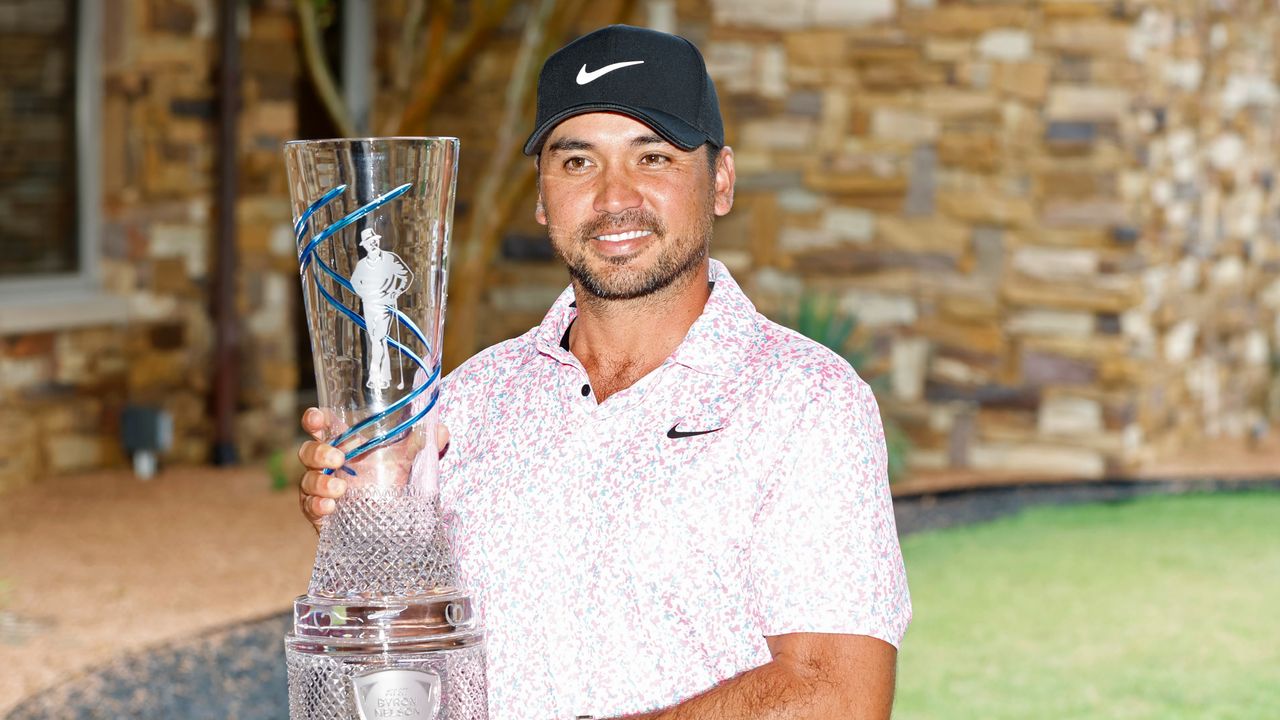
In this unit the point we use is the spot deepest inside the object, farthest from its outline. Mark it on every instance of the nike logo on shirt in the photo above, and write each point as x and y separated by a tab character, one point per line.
673	433
585	77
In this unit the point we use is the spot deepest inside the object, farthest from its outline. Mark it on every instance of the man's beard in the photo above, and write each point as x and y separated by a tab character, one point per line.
670	266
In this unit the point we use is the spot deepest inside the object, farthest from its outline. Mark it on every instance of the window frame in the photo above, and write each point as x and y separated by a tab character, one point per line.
55	300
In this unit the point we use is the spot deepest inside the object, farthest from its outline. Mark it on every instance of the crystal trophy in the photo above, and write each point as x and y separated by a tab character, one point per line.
384	630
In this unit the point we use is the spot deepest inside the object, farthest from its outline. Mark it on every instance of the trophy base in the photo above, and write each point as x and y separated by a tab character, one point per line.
419	658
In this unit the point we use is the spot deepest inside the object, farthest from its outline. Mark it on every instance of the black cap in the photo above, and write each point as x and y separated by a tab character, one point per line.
654	77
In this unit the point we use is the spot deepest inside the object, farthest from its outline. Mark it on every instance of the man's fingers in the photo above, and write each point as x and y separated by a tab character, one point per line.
317	508
321	485
320	456
315	422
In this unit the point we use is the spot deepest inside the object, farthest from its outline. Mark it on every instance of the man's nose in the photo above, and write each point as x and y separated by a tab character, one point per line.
616	192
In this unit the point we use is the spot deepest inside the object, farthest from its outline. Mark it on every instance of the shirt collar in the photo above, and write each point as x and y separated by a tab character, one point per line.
718	342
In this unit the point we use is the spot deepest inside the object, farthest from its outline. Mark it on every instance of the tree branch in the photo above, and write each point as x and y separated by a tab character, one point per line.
318	69
407	57
438	75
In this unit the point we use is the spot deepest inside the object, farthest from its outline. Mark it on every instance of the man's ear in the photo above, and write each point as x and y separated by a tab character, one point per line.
724	182
539	210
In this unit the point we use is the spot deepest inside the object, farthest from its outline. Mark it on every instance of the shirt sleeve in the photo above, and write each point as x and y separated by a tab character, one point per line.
824	552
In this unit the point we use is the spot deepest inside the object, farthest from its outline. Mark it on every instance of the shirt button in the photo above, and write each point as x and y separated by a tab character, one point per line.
586	390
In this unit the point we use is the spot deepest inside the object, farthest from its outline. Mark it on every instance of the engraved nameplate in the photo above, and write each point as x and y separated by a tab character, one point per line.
397	695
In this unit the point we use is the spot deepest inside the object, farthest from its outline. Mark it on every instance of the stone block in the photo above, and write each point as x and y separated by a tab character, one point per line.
987	395
961	105
902	125
805	103
773	72
1089	213
1180	342
73	452
987	208
956	19
833	124
947	49
1040	369
909	359
933	234
799	239
771	14
1035	321
1088	38
879	310
1073	133
850	224
732	65
970	307
780	133
24	374
1048	460
981	338
896	75
1005	45
1055	264
819	48
1227	273
1026	81
799	201
1067	415
20	463
855	184
977	151
29	345
1099	295
922	185
842	13
947	371
1087	102
827	256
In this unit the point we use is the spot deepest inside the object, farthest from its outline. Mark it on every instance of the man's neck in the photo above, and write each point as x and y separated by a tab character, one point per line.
620	341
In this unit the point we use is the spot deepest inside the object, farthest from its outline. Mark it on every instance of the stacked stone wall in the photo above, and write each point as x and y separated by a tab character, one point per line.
61	391
1054	220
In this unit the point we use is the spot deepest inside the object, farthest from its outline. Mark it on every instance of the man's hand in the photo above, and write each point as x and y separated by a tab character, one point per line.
318	493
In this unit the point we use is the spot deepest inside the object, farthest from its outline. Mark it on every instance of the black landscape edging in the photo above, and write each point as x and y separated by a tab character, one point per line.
966	506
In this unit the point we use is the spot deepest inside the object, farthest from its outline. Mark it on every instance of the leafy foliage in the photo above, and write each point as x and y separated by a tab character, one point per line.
276	469
819	318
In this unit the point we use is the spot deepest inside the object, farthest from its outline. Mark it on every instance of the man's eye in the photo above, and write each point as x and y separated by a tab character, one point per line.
654	159
575	163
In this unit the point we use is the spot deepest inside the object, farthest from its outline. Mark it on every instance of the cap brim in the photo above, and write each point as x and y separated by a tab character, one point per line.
669	127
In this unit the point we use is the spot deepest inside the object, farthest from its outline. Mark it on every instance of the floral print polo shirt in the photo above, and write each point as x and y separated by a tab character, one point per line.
628	554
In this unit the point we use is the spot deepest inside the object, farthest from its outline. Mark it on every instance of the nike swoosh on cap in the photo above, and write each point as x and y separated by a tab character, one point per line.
585	77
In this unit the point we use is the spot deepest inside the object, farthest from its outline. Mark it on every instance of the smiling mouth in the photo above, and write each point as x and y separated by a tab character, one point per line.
623	236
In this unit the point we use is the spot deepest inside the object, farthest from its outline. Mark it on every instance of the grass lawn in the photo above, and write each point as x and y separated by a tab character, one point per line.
1162	607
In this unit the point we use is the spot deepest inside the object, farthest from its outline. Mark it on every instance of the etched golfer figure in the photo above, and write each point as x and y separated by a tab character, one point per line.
379	279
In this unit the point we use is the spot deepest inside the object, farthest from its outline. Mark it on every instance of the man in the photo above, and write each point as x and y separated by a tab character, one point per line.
667	506
379	279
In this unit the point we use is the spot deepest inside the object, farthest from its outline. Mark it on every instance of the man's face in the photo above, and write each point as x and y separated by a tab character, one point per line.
371	242
628	212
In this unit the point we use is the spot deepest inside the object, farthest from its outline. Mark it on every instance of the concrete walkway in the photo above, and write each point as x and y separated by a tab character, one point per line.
96	565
